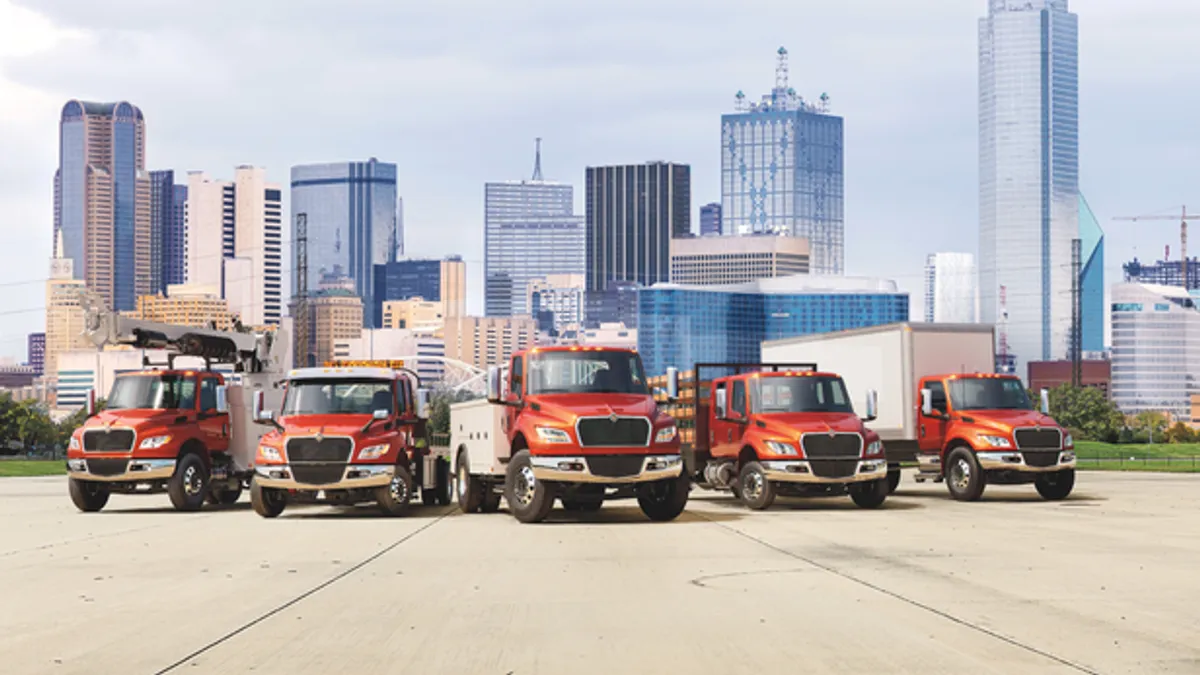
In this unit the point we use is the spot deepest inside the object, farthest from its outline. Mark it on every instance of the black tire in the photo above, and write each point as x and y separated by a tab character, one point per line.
665	499
395	497
756	491
529	499
964	478
188	486
736	489
893	477
1056	486
444	492
88	496
224	497
870	494
267	502
470	490
491	500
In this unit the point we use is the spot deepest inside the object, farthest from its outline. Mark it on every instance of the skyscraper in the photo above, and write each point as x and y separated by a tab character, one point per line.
530	231
352	219
102	199
1091	281
951	288
782	170
235	242
430	279
633	212
1028	171
167	236
710	219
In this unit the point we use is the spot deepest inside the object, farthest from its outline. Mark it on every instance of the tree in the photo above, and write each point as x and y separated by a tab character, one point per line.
1154	423
439	409
1181	433
1086	410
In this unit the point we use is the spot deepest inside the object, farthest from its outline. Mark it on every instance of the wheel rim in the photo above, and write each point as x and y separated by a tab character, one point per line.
462	482
960	474
752	487
525	486
192	483
399	489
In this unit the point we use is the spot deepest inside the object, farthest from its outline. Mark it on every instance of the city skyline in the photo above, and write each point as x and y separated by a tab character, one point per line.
886	209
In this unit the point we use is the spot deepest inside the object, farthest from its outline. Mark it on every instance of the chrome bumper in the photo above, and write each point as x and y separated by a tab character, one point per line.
575	470
355	476
1013	460
799	471
138	471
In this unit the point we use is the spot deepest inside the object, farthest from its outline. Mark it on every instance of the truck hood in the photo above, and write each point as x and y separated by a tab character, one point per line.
793	424
1005	421
326	425
134	418
566	408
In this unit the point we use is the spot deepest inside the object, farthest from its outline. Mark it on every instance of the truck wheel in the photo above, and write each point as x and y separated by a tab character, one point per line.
757	491
224	497
88	496
665	499
1057	485
393	498
188	486
529	499
893	478
469	488
964	478
267	502
491	500
444	493
870	494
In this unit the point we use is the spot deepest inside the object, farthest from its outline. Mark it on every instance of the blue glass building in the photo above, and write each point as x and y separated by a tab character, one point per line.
1091	279
782	171
684	325
167	234
352	221
710	219
404	279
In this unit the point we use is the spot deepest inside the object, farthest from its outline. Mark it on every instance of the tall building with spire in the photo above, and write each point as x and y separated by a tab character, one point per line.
530	231
1028	172
102	199
782	170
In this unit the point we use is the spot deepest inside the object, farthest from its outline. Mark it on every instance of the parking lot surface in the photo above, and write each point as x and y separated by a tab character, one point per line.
1104	582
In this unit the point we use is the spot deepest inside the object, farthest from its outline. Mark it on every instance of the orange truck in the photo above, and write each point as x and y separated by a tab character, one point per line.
184	431
945	409
347	434
573	424
768	429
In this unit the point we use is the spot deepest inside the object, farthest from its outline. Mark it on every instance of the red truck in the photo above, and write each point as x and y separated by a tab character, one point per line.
347	435
769	429
183	431
575	424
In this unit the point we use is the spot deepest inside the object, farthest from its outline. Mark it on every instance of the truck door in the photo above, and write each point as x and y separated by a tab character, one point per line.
214	425
931	431
516	381
720	430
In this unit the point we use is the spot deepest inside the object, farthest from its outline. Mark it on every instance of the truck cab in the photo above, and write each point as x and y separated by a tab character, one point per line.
578	424
161	430
981	428
778	430
347	435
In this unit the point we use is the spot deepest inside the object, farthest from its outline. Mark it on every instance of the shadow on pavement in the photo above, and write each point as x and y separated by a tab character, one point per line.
1004	494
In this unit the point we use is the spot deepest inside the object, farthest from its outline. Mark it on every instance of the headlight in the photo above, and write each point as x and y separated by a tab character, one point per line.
996	441
665	434
1068	442
552	435
374	452
154	442
74	444
269	453
875	449
781	448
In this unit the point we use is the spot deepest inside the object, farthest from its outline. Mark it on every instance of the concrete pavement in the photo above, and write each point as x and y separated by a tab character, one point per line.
1102	583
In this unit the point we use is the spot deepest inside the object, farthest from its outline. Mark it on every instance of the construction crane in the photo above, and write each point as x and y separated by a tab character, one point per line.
1183	218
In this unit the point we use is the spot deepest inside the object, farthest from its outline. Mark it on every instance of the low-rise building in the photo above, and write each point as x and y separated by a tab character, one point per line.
1053	374
737	260
1155	349
184	305
483	342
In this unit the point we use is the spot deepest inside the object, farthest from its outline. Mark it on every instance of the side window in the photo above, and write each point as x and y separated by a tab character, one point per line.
720	400
739	397
403	389
516	376
208	394
937	392
187	394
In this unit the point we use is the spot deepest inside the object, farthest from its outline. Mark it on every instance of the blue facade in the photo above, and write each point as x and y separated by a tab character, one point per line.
72	184
404	279
1091	279
167	234
710	219
682	326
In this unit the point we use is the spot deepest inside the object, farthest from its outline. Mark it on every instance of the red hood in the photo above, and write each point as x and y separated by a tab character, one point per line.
135	417
794	424
1007	420
566	407
329	425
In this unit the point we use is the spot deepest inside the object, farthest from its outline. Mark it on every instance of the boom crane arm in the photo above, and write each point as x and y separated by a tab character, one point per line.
1183	217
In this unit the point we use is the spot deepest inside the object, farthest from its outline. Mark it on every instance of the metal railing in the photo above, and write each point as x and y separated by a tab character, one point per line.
1144	462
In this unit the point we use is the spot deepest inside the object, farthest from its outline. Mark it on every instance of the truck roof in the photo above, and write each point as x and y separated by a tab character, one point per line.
578	348
178	372
335	373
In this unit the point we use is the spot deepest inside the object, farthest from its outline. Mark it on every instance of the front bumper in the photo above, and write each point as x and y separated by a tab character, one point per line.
1014	460
136	471
575	469
354	476
800	471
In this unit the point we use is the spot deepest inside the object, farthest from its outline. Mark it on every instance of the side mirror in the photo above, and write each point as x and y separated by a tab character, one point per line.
381	415
927	402
222	399
423	396
672	384
495	385
259	414
91	402
872	406
1045	401
720	404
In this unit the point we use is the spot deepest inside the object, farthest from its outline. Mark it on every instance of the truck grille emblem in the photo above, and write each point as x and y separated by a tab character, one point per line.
320	437
613	418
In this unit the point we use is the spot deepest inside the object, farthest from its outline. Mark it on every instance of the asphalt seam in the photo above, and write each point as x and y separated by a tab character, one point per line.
306	594
909	601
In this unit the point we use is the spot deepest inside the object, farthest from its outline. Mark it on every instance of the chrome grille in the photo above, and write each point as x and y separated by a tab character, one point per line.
1045	439
605	432
817	445
108	440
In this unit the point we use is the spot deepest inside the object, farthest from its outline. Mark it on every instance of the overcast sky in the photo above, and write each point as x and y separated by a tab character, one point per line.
455	91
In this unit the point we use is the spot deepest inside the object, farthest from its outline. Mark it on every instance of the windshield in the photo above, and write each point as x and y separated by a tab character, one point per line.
337	397
800	394
586	373
145	392
989	394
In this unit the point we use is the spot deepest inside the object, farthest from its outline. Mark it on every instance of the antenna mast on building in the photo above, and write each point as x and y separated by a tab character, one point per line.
537	161
781	70
739	101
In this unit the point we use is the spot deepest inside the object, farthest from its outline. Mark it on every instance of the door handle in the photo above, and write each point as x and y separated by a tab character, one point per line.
922	431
